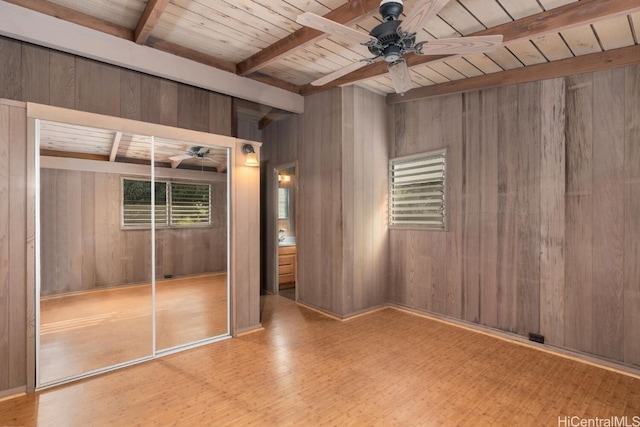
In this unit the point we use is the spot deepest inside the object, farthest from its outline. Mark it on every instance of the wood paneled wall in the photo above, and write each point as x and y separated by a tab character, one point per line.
340	143
37	74
543	186
83	246
15	240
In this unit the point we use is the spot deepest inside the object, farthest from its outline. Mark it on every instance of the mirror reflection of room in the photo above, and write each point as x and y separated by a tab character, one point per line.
125	253
286	232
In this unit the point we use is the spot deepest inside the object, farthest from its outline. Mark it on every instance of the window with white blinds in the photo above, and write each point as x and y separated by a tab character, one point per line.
190	204
177	204
417	191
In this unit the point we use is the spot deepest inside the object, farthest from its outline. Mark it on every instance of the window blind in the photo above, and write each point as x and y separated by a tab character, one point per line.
417	191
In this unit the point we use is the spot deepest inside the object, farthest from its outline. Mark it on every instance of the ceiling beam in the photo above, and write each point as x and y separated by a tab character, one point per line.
114	147
571	15
70	15
149	19
615	58
345	14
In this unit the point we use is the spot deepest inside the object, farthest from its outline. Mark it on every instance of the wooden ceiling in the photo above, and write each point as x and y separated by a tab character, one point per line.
261	40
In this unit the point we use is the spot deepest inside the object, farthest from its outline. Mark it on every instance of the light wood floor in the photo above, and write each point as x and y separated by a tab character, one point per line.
92	330
387	368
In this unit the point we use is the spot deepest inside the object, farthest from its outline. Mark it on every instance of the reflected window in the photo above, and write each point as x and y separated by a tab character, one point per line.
177	204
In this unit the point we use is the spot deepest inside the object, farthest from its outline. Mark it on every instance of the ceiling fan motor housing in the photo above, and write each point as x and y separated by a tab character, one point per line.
390	9
391	46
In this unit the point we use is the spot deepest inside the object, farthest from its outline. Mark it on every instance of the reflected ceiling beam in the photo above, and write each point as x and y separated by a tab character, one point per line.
73	155
552	21
114	147
616	58
175	163
349	12
149	19
222	167
270	117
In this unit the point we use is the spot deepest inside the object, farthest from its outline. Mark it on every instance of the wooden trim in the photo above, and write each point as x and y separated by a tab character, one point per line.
616	58
149	19
552	21
32	173
114	147
185	52
86	165
12	393
73	155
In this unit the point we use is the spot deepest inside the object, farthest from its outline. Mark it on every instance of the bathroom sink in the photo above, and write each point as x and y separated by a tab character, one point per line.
288	241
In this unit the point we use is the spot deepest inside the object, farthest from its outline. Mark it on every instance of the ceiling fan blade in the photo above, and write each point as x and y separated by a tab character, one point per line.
203	151
180	157
339	73
461	45
400	76
422	11
331	27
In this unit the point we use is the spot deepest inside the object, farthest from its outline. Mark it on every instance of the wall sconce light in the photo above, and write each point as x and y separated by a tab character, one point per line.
252	157
284	178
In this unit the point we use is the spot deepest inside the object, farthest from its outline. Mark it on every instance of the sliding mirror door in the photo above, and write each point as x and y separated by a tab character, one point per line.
95	284
133	248
191	245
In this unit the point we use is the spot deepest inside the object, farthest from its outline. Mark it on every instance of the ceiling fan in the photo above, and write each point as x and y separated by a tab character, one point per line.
195	152
393	38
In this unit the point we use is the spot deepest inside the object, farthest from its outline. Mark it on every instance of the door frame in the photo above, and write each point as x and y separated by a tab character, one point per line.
275	227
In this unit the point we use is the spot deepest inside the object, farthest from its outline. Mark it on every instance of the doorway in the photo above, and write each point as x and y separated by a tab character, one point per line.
286	184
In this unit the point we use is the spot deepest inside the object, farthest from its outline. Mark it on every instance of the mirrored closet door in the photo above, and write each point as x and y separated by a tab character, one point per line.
133	241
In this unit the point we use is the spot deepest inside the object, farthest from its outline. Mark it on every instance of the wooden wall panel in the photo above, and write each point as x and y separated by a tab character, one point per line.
507	208
631	278
193	108
130	83
35	74
579	241
608	212
320	210
552	211
62	78
10	69
220	114
488	163
97	87
364	194
13	245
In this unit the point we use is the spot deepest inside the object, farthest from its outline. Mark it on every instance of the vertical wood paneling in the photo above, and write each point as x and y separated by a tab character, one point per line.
10	69
488	164
5	224
62	78
364	155
552	211
528	209
608	212
13	245
220	114
507	208
193	108
130	82
35	74
17	244
471	160
97	87
632	217
579	240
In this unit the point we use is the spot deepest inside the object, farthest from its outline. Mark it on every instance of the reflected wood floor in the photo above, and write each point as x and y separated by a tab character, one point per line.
387	368
86	331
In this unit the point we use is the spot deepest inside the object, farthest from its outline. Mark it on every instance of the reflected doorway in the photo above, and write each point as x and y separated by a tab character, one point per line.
286	260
